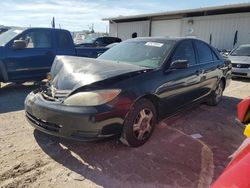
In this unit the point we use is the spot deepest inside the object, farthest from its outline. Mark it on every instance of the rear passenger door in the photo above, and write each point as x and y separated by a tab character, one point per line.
208	62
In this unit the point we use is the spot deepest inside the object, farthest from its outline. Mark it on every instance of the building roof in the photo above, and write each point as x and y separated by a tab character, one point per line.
218	9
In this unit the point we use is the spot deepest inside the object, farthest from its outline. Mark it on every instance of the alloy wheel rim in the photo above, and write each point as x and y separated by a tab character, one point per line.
142	126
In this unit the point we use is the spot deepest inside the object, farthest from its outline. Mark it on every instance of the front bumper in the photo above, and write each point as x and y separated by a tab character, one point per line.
241	72
79	123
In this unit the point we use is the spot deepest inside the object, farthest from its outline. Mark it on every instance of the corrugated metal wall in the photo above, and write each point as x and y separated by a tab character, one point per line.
113	29
221	27
166	28
126	29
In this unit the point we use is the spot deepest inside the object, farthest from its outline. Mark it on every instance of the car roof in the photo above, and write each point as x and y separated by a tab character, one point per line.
161	38
45	28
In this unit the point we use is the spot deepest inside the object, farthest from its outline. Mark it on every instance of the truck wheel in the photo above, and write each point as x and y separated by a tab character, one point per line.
139	124
216	96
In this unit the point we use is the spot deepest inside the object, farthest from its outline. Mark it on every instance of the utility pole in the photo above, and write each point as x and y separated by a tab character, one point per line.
53	23
92	29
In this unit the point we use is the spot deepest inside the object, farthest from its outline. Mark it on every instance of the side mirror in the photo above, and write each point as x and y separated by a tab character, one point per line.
99	54
19	44
179	64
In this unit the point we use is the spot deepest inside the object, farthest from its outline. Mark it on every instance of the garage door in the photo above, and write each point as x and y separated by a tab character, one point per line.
166	28
126	29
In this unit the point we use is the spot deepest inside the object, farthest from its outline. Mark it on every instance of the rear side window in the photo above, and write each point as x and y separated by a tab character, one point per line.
101	41
204	52
117	40
64	41
107	40
185	51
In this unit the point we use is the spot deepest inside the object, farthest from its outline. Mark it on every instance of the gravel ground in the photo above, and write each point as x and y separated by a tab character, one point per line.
171	158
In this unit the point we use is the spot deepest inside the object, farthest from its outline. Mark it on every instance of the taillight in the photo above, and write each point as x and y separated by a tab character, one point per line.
243	110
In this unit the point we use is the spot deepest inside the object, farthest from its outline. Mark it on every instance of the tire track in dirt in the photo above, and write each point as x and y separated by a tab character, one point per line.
22	174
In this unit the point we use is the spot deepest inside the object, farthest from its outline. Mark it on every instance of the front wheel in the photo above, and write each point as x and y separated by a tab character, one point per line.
216	95
139	124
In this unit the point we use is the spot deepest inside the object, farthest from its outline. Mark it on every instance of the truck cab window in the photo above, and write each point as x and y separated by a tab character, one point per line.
63	40
37	39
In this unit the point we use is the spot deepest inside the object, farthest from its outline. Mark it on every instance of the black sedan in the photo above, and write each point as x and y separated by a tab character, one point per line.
128	89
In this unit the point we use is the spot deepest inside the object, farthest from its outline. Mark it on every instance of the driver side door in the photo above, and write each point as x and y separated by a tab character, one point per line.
32	62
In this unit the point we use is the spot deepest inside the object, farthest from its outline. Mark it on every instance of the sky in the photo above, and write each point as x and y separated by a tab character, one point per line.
77	15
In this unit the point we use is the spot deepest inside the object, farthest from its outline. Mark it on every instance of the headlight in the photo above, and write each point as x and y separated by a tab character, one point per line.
92	98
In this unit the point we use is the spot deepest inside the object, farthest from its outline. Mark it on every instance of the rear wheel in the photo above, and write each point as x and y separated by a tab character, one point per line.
216	95
139	124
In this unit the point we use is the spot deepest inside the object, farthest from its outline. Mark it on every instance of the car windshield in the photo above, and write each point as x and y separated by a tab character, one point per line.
241	51
9	35
141	53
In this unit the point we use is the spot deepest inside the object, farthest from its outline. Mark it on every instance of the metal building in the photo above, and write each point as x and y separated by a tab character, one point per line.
222	26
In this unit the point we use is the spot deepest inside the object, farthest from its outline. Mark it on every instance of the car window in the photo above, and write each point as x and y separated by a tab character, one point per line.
139	52
117	40
9	35
106	40
63	39
204	52
215	57
100	41
185	51
243	50
37	39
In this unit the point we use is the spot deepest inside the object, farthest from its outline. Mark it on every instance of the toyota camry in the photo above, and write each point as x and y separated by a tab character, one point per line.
127	89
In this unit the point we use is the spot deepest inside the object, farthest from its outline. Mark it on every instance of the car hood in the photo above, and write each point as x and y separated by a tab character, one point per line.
240	59
70	73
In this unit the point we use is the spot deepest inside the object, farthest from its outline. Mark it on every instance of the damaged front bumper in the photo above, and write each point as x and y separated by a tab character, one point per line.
79	123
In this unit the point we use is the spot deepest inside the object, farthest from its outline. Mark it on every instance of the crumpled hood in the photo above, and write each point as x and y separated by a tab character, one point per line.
239	59
70	73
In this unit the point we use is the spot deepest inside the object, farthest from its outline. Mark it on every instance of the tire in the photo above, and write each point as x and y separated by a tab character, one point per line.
216	96
139	124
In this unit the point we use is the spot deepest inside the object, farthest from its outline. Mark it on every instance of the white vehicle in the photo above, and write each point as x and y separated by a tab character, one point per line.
240	58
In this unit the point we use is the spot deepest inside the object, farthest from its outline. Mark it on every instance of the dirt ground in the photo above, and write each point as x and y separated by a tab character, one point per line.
171	158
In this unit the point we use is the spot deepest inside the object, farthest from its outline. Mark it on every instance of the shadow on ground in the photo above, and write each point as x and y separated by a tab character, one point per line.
12	97
110	164
170	158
